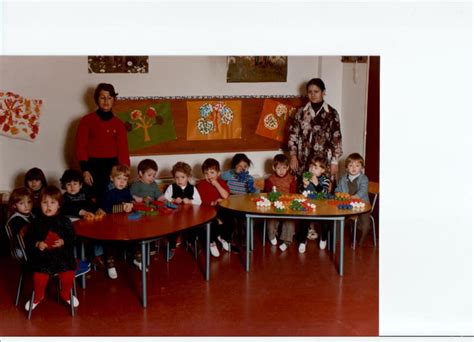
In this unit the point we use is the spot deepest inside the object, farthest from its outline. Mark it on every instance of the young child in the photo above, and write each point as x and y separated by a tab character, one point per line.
213	189
20	205
49	244
181	192
144	189
318	183
35	181
356	184
77	202
116	199
237	177
283	182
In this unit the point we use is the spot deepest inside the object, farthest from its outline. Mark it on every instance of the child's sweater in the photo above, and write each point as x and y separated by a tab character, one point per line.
362	186
209	192
285	184
140	189
322	186
239	183
189	191
114	197
73	204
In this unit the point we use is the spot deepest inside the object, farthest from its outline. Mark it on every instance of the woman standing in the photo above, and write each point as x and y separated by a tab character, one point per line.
101	141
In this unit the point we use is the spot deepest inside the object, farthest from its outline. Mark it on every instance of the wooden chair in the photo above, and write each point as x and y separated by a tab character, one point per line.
374	190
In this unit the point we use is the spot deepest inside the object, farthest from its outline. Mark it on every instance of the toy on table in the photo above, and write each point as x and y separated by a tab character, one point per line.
263	202
274	195
95	217
307	175
134	216
279	206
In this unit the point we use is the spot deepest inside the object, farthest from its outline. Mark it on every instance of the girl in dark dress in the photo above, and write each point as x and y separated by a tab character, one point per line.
49	243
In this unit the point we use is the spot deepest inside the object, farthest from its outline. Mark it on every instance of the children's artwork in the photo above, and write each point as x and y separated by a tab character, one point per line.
214	120
148	125
273	119
19	116
257	68
118	64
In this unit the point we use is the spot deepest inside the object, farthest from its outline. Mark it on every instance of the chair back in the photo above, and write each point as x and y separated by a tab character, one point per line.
17	245
374	190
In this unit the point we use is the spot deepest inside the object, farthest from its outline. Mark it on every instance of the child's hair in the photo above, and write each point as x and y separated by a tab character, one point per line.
181	167
18	195
35	174
237	158
317	160
280	159
117	170
147	164
210	163
53	192
71	176
354	157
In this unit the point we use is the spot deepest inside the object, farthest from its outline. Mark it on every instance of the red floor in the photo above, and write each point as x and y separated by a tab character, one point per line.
283	294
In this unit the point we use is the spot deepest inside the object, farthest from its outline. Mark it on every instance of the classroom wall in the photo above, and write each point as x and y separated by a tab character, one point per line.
66	87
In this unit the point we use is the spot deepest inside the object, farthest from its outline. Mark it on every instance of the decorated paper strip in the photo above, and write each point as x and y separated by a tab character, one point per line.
148	125
214	120
273	119
19	116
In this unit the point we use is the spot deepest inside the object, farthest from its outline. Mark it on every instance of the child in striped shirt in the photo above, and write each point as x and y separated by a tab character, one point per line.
238	178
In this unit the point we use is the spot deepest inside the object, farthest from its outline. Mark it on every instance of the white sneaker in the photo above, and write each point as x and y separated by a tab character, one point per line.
274	241
312	234
214	250
283	247
112	272
27	306
139	264
322	244
75	301
302	248
225	244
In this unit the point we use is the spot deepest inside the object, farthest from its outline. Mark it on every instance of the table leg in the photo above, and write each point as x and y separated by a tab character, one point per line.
251	237
264	235
83	258
334	237
247	247
144	299
341	249
208	242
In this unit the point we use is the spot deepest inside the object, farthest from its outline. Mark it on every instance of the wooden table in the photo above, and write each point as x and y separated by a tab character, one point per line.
247	204
117	227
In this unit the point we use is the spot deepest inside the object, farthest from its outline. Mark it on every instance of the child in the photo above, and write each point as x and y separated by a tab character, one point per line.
144	189
49	244
181	192
77	202
213	189
283	182
116	199
35	181
318	183
356	184
20	206
238	178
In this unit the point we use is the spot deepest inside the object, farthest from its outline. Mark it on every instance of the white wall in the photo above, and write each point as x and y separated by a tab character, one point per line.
65	86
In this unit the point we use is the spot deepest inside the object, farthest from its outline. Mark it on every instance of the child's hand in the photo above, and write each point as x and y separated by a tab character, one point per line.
147	199
41	245
215	182
213	203
315	180
88	178
83	212
355	196
178	200
187	201
127	207
100	212
138	199
58	243
305	182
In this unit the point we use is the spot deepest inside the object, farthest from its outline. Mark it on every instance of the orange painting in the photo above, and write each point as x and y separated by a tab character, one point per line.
272	123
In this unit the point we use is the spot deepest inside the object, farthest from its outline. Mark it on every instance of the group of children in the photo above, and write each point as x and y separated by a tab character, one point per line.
50	237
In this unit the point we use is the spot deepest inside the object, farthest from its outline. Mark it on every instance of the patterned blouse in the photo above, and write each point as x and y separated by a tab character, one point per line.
315	134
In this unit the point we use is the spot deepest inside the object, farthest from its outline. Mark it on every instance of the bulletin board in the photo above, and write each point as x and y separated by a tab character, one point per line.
251	110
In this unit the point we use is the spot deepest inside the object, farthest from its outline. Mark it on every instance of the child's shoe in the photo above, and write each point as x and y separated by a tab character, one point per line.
322	244
75	301
274	241
27	305
225	244
283	247
112	273
312	234
138	264
214	250
302	248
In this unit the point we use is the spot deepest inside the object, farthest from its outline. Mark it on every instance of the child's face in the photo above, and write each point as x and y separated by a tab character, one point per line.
49	206
73	187
24	206
241	167
120	181
281	170
316	169
148	176
211	175
34	184
354	168
181	178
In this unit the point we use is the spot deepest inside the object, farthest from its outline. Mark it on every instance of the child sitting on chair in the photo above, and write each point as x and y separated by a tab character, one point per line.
35	180
316	182
181	192
116	199
20	205
284	182
356	184
49	244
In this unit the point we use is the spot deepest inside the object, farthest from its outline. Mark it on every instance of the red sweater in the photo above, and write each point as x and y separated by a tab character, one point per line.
286	184
209	192
96	138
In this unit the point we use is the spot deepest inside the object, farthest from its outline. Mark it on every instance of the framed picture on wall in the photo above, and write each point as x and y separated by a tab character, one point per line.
257	68
118	64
